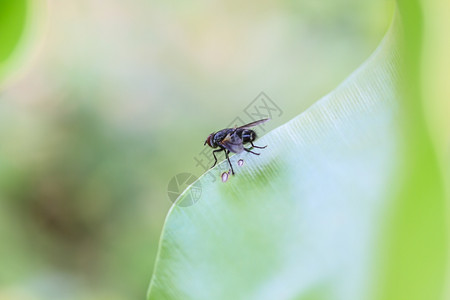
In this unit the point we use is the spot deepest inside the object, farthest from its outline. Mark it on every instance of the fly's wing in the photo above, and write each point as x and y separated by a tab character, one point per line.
233	142
256	123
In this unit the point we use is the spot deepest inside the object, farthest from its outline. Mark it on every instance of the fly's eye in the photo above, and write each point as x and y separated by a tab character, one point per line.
208	140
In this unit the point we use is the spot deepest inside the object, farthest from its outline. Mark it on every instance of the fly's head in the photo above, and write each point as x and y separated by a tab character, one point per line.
210	141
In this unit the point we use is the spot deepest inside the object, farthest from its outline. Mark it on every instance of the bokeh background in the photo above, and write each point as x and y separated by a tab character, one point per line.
103	102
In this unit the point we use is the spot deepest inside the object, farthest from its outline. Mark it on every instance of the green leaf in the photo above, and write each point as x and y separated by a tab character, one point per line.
299	221
12	24
413	266
310	218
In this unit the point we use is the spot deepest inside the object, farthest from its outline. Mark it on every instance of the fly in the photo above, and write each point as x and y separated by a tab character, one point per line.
233	140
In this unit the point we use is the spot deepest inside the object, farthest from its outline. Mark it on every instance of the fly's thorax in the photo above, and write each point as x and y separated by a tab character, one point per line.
219	136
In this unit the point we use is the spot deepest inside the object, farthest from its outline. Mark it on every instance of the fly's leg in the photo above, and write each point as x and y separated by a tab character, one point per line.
248	150
226	154
257	146
215	158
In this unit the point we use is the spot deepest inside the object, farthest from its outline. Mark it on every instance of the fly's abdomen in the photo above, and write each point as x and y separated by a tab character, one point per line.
248	136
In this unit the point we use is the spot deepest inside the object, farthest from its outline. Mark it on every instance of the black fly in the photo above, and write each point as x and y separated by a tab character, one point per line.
233	140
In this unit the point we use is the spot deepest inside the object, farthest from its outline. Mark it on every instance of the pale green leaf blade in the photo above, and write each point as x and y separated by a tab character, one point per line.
299	221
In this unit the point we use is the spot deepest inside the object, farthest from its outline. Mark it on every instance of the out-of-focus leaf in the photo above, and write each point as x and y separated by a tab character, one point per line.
12	24
413	264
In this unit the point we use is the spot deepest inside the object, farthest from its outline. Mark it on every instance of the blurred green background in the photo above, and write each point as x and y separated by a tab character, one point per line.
103	102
